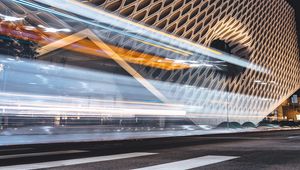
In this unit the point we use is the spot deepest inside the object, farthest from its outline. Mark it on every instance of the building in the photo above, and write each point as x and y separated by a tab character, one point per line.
209	61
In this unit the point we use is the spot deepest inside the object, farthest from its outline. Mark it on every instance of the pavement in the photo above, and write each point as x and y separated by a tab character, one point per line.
251	150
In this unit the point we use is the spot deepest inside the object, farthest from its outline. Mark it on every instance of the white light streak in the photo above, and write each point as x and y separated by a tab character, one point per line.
1	67
201	65
155	36
10	18
53	30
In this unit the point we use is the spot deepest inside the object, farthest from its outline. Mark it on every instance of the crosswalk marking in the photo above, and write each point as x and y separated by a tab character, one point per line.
74	161
40	154
190	163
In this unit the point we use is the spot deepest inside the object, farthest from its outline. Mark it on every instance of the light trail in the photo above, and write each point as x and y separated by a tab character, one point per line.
84	100
86	46
185	53
46	101
209	116
92	13
99	110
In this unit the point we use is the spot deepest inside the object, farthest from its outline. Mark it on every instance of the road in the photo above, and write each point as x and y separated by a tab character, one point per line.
254	150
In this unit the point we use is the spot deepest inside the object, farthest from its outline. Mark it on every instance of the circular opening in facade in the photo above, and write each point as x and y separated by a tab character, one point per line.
230	70
221	45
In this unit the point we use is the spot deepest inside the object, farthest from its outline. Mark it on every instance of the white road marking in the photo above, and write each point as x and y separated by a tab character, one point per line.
41	154
190	163
74	161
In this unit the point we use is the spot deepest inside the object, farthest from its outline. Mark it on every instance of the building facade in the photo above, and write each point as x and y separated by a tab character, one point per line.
147	61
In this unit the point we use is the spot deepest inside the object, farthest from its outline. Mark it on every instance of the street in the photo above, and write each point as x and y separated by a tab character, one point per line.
254	150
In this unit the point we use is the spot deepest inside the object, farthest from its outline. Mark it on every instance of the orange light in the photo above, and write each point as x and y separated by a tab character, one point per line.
86	46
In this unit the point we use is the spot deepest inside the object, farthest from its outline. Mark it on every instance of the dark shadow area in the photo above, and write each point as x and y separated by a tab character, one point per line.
231	70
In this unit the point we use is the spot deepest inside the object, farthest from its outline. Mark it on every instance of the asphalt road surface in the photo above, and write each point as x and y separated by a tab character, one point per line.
259	150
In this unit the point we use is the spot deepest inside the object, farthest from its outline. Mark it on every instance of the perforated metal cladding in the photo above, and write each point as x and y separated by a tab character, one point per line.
241	23
262	32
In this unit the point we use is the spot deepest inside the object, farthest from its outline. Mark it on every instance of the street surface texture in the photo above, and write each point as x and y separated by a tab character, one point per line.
254	150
